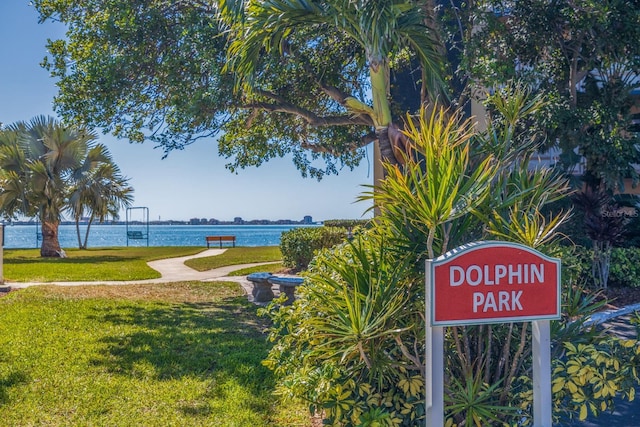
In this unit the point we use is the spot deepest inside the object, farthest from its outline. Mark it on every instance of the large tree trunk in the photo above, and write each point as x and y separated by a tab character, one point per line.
50	244
386	146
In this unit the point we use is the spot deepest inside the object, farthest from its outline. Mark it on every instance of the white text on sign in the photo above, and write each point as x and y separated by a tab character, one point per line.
512	274
505	301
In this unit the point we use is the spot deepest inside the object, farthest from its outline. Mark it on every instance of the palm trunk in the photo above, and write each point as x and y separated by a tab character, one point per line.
379	75
50	244
78	232
86	234
386	148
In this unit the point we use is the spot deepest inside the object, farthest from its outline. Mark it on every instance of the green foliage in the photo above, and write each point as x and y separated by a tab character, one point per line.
299	245
474	399
311	79
589	77
350	345
625	267
348	223
420	202
589	376
270	78
353	343
624	270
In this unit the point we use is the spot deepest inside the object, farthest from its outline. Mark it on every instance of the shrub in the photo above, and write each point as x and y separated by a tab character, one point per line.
625	267
590	376
299	245
348	223
352	344
576	264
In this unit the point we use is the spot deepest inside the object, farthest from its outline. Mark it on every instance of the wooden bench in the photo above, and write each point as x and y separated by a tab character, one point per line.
220	240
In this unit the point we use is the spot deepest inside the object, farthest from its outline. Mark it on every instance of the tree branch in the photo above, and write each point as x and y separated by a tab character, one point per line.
282	106
333	92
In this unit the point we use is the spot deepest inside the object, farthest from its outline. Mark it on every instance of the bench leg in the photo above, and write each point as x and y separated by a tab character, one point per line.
262	291
289	291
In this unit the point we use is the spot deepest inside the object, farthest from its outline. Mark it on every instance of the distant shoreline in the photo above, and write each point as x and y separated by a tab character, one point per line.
175	222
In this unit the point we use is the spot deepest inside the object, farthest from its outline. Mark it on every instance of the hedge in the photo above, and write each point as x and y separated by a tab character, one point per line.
299	245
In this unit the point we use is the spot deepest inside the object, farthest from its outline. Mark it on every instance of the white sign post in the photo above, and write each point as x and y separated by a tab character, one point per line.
541	336
491	282
434	361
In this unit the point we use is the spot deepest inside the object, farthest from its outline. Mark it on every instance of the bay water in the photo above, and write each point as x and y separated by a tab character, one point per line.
102	235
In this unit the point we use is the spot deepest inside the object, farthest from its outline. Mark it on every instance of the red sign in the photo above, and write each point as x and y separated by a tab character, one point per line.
489	282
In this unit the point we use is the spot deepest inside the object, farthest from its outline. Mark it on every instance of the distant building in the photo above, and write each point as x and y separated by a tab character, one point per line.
307	219
238	220
258	222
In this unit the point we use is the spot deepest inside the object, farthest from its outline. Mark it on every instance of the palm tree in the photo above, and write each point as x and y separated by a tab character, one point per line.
98	190
383	28
38	163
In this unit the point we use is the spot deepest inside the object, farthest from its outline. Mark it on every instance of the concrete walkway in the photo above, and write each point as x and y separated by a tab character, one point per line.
171	270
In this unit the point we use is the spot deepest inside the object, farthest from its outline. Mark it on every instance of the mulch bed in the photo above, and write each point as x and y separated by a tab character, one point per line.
623	296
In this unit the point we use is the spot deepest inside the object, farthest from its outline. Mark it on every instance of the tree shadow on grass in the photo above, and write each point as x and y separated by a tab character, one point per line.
216	341
8	381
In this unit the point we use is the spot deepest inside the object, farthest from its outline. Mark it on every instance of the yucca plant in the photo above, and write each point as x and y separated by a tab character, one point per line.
473	398
435	186
353	341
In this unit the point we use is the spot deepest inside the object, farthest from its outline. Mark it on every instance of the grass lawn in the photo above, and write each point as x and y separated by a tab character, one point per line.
125	263
122	263
180	354
265	268
235	256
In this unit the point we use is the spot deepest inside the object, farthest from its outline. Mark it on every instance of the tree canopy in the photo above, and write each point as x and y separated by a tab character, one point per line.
313	83
584	56
319	80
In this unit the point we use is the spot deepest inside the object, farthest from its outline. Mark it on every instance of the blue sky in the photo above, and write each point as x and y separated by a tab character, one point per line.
189	183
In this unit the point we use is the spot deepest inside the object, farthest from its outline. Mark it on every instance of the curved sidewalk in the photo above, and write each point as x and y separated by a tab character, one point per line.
171	270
